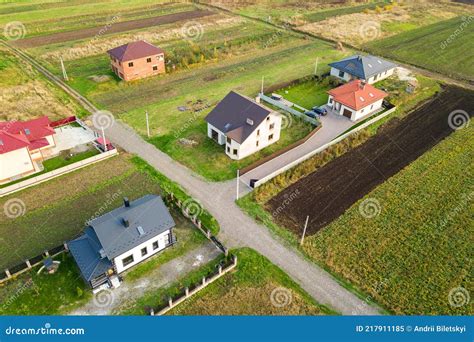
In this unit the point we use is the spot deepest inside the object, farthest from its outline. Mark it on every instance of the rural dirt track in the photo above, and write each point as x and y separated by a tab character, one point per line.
115	28
325	194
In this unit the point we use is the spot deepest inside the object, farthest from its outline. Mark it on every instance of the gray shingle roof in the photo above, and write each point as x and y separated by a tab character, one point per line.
231	114
363	67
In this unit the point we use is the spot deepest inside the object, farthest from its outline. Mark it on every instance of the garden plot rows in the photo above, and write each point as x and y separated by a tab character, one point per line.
325	194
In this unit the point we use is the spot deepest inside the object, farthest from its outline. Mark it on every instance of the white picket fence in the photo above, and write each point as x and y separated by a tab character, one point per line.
55	173
321	148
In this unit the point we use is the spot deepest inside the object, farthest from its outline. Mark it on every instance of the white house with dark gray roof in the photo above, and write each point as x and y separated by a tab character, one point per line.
122	238
242	125
369	68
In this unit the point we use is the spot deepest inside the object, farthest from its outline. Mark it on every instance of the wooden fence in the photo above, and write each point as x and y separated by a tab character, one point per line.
190	291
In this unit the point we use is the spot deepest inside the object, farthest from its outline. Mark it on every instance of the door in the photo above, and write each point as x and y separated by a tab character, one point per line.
347	113
215	135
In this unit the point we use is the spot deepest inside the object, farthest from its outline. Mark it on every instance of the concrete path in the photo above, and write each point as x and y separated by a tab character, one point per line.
239	230
105	302
332	126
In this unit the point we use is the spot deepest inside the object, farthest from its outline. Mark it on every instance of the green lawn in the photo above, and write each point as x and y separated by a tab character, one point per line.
306	94
446	47
245	291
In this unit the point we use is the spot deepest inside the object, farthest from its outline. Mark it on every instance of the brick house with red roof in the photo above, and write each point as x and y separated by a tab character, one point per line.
22	144
356	99
137	60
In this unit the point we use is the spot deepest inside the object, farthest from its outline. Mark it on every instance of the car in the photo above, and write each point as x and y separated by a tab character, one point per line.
311	114
277	97
320	111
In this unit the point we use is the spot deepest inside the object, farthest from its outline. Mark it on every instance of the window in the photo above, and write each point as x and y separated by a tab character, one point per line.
256	144
330	100
127	261
228	149
270	137
272	126
229	140
235	151
130	64
155	68
160	57
371	107
258	132
166	239
155	245
341	73
268	118
144	251
148	60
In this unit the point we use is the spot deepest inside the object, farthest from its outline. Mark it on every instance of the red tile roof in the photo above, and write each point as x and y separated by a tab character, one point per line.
15	134
357	94
134	50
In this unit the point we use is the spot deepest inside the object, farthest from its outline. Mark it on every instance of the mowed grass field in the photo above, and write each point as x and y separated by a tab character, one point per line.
446	47
231	54
255	287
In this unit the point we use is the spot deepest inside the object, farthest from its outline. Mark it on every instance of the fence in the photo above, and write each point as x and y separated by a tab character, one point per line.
55	173
30	263
321	148
289	109
188	292
63	122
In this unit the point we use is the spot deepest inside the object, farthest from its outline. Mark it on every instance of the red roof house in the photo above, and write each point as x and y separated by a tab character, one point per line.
137	60
356	99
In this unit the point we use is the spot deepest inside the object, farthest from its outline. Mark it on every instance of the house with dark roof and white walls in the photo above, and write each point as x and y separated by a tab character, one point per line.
369	68
121	239
242	125
137	60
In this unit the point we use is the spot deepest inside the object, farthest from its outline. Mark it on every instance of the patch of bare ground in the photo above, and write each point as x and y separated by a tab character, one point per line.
115	28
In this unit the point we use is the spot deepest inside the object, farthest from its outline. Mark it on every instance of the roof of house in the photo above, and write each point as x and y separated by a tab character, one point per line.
108	237
363	67
134	50
17	134
237	116
357	94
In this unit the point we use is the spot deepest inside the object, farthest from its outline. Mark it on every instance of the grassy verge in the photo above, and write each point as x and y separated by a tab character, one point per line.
247	290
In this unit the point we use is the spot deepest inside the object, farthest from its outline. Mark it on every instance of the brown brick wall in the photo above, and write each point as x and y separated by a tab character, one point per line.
140	69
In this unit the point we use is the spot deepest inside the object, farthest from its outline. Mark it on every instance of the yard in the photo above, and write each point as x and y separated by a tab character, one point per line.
256	287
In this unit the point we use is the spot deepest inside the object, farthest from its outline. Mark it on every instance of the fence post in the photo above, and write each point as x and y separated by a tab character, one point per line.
235	260
208	234
199	224
28	263
46	253
178	203
7	272
226	252
170	302
66	247
186	290
203	281
152	312
220	269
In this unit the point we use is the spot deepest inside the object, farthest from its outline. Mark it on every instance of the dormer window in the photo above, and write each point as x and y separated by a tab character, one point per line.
371	95
361	98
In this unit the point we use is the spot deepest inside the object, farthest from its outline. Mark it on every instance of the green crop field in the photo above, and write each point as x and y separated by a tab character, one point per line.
446	47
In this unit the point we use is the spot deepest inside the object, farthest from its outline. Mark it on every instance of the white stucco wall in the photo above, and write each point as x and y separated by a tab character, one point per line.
249	146
220	139
137	255
335	72
15	163
356	115
347	77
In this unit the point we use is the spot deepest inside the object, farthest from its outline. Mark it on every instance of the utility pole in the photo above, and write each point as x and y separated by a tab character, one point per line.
147	124
64	70
304	230
261	90
238	180
316	66
105	141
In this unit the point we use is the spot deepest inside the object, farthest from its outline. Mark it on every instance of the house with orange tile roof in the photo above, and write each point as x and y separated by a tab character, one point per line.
137	60
355	99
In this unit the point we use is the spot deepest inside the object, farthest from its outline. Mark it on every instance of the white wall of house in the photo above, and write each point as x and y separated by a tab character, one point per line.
137	251
347	77
258	140
355	115
221	136
15	163
38	155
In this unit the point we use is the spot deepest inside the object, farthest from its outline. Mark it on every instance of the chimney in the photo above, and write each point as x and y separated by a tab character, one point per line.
125	222
126	202
257	99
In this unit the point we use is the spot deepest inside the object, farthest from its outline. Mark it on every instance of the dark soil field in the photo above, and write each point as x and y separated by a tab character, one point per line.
327	193
115	28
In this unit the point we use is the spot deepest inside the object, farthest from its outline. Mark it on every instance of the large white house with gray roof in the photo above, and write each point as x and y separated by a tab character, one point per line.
369	68
122	238
242	125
